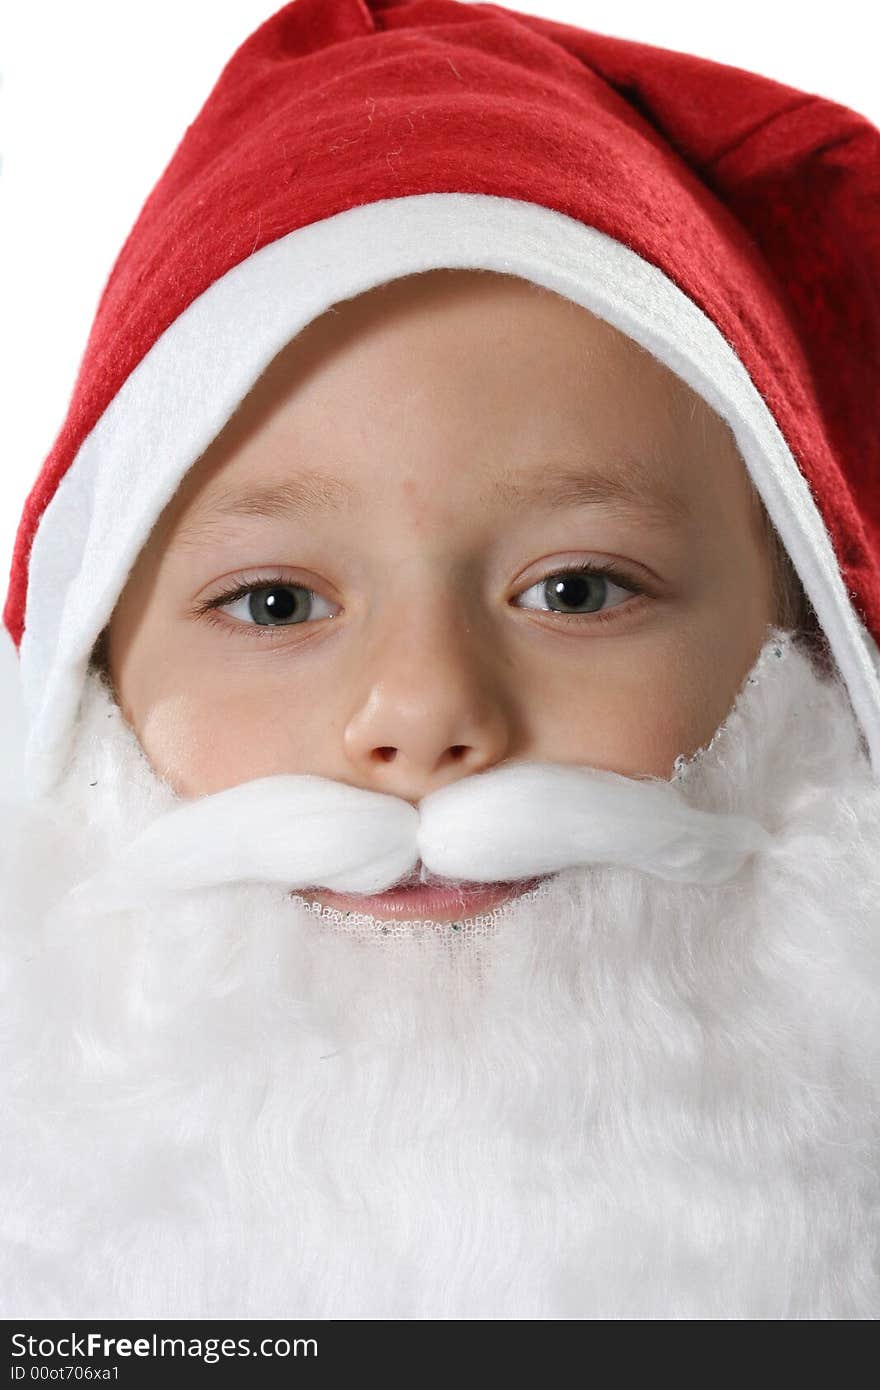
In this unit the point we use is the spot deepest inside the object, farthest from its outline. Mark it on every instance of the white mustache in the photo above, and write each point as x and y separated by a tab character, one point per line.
511	822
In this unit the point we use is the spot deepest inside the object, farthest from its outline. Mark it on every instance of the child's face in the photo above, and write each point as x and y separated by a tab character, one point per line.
413	428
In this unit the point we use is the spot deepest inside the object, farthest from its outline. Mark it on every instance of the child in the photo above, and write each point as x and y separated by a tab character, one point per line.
440	419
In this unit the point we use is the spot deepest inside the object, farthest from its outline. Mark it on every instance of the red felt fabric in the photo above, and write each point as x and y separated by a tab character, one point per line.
761	202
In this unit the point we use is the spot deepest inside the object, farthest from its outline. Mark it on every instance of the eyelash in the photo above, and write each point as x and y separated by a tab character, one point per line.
209	609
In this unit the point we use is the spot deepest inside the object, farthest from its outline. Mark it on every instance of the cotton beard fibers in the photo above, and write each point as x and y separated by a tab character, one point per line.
647	1088
507	823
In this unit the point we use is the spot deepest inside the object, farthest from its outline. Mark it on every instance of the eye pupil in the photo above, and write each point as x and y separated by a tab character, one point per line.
277	604
573	590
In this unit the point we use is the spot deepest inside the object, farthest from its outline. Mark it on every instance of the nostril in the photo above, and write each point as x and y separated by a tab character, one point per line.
386	755
457	751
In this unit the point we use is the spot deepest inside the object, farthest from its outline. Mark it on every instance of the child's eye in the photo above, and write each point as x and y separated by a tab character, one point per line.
578	590
270	603
572	591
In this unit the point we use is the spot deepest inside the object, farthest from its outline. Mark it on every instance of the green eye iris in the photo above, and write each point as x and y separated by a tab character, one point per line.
288	603
581	593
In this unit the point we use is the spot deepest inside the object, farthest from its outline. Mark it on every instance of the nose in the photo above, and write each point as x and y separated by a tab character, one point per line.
429	707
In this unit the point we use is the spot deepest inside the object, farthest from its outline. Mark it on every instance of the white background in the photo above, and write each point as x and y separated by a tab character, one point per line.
96	95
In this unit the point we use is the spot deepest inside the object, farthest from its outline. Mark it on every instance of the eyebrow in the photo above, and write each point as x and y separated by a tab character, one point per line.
639	486
301	494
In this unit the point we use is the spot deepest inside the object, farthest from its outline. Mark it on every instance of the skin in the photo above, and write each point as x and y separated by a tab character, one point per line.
419	662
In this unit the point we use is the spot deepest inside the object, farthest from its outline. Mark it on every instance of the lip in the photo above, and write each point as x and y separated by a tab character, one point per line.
437	904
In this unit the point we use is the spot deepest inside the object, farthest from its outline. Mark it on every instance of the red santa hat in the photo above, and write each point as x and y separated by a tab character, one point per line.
726	222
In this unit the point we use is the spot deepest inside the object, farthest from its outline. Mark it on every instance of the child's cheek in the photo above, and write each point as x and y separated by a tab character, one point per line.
176	738
204	740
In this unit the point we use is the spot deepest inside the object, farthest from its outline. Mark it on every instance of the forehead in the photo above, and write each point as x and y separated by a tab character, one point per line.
459	382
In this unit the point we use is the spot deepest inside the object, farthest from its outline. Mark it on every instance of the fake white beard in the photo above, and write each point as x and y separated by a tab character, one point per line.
646	1089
